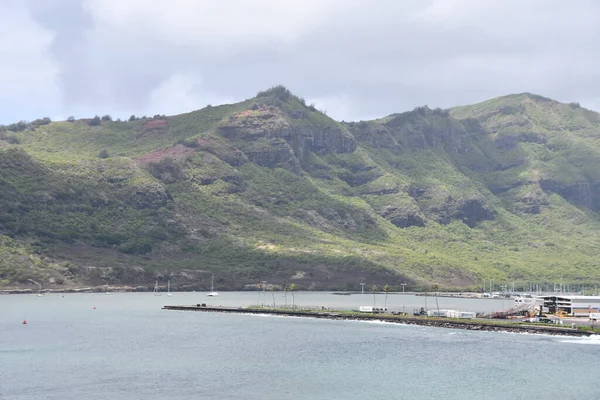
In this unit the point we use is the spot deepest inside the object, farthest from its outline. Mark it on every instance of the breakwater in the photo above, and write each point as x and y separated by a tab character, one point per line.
472	324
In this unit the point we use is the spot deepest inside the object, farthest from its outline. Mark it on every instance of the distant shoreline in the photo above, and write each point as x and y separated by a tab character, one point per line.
471	324
190	288
87	289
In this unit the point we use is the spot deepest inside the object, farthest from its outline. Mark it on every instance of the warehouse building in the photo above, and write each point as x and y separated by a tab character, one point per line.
574	306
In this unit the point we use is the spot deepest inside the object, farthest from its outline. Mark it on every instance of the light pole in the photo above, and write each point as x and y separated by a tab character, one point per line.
39	287
403	285
362	286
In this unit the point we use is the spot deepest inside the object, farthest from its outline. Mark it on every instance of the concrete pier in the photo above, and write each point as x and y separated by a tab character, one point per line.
472	324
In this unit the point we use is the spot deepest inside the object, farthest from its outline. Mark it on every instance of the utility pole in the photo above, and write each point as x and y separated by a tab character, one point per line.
362	285
403	285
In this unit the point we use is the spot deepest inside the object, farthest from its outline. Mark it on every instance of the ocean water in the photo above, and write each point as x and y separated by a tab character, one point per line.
128	348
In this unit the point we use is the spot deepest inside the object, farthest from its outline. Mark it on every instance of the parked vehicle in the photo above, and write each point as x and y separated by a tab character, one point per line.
371	309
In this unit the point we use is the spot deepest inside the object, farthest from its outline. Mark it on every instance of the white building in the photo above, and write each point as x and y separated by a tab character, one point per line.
574	306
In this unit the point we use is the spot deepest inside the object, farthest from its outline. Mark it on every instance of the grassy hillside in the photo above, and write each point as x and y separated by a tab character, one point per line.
272	189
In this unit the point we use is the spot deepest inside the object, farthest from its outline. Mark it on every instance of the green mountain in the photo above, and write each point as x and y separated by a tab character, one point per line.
272	189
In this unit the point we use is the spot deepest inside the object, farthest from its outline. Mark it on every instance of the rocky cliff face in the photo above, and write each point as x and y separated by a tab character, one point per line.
266	136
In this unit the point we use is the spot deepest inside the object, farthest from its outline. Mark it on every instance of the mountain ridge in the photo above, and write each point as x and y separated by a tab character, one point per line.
272	189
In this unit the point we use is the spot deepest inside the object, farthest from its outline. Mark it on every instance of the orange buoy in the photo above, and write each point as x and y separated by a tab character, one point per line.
24	322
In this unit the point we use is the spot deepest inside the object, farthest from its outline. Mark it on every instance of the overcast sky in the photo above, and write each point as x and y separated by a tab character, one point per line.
357	59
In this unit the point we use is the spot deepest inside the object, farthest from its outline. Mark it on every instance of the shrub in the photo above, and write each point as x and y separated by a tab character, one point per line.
106	118
94	121
279	91
132	117
41	121
18	127
509	110
103	154
167	170
8	138
71	119
136	246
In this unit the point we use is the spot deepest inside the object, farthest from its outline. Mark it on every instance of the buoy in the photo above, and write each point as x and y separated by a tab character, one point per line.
94	307
24	322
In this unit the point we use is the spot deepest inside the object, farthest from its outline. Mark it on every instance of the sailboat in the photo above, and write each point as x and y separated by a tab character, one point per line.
169	288
40	294
212	287
156	292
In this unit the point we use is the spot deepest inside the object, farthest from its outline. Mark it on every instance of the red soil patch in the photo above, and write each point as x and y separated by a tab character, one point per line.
260	113
155	124
246	113
178	151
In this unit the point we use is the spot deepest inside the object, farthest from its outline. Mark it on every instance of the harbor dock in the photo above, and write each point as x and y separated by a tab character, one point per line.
472	324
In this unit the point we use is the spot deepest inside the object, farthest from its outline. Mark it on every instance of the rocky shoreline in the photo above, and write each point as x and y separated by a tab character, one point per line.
88	289
472	325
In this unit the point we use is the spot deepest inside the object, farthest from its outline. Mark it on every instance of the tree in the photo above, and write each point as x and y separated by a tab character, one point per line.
41	121
132	118
386	289
106	118
436	288
17	127
71	119
94	121
373	290
292	288
273	294
259	290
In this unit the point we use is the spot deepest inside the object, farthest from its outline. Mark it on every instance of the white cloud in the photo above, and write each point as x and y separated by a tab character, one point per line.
181	92
211	23
359	59
28	84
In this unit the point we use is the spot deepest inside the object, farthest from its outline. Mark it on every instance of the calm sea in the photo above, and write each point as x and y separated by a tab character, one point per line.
128	348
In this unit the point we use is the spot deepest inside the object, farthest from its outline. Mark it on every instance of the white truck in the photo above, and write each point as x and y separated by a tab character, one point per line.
440	313
371	309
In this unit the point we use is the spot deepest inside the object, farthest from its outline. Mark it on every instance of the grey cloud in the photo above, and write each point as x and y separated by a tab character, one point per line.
360	59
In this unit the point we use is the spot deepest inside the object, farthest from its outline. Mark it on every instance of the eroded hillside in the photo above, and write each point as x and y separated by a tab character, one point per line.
272	189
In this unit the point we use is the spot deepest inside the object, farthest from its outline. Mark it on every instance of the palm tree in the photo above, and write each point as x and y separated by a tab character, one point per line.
436	287
292	289
386	289
273	294
374	290
259	290
285	288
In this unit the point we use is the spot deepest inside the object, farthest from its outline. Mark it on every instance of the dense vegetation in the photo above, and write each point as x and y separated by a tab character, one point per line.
272	189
